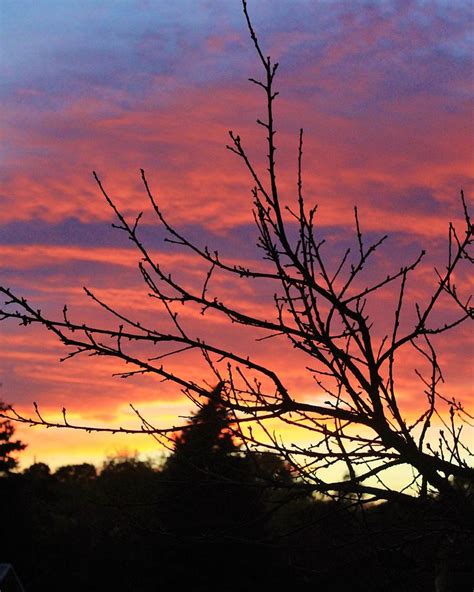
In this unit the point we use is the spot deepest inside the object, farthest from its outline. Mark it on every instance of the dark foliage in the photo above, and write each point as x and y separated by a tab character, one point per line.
216	518
8	447
121	530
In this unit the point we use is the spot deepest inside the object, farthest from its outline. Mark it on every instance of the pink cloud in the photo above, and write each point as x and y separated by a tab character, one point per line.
371	162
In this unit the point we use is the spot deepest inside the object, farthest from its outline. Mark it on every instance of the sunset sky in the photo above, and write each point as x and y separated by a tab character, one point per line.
383	90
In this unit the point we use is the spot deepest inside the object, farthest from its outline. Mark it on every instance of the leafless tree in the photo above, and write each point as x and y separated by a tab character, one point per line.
322	310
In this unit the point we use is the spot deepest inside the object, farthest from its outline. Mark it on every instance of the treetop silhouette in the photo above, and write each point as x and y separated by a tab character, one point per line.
208	439
8	447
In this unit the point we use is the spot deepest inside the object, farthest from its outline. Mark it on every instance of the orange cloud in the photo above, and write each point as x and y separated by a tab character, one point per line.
370	162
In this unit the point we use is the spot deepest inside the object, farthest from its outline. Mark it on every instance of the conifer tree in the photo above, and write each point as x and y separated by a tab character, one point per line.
209	482
7	445
207	448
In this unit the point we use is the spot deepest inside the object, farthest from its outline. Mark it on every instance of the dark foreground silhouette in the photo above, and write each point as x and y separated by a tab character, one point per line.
132	527
213	518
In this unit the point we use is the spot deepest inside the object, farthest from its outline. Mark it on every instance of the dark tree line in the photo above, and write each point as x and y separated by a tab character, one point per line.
211	518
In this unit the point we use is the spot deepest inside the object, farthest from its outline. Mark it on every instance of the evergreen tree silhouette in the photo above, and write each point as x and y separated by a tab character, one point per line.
7	445
214	508
210	483
207	448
